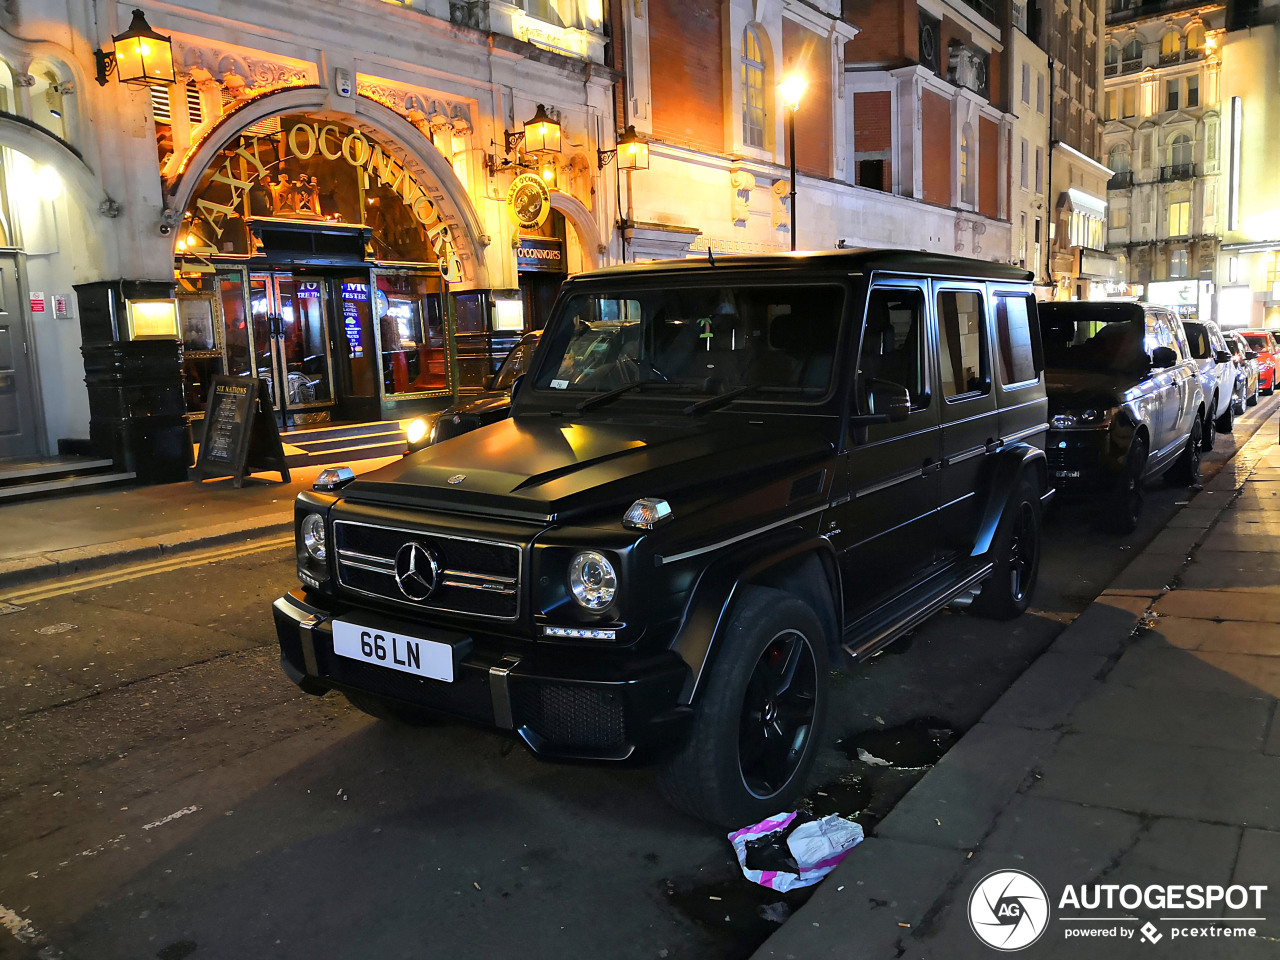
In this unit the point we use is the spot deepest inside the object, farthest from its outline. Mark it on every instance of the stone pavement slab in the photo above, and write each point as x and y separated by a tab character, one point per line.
1262	606
1045	694
1222	636
1229	569
1155	664
1195	717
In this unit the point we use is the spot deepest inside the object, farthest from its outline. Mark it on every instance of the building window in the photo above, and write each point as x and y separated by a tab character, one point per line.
1131	56
1171	94
1128	102
1110	109
1112	60
1039	93
1177	263
1170	47
1193	91
1118	158
1195	42
1039	170
1026	164
753	112
1026	84
1180	220
1180	152
966	165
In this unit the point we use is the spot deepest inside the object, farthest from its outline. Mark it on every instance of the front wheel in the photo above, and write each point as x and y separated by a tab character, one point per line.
761	712
1209	429
1186	469
1253	400
1016	552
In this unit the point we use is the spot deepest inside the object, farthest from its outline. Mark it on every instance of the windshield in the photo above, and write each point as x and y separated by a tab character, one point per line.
777	342
517	362
1111	347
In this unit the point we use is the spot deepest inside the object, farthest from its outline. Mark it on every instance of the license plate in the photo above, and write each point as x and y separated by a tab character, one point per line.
423	658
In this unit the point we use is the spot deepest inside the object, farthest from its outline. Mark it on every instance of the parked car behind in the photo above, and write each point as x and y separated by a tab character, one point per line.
1246	361
760	469
1125	403
1217	377
490	405
1263	343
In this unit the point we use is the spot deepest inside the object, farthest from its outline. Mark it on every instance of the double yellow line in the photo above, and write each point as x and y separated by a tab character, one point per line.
146	568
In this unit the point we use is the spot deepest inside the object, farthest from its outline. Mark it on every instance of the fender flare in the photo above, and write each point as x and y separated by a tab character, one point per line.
716	593
1011	465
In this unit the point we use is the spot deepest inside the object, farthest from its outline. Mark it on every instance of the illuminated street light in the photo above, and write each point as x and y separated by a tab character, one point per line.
791	89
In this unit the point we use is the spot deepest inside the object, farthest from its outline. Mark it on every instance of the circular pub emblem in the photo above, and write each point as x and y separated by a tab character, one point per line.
529	201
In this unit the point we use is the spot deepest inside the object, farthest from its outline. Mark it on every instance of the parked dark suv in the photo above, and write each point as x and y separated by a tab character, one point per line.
757	470
1125	401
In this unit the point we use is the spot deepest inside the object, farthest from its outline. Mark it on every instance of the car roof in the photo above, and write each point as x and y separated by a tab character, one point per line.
1102	311
852	261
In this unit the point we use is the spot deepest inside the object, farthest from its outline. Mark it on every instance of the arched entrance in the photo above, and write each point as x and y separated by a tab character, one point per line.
314	251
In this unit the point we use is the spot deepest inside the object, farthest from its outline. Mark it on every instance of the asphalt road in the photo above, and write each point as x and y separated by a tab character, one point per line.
166	792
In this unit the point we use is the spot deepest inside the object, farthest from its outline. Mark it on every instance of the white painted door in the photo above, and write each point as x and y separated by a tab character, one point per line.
17	391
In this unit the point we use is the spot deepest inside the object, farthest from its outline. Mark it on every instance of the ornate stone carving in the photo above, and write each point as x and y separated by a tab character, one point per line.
241	75
781	215
743	182
417	107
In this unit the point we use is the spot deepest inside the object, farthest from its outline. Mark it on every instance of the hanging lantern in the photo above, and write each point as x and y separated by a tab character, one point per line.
541	134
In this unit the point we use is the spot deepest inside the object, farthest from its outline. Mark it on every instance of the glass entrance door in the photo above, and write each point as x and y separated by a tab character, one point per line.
290	314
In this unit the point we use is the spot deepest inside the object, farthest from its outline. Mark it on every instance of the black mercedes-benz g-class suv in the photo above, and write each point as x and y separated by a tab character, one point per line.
759	469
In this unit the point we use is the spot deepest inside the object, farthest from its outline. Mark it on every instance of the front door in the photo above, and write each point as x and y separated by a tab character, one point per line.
291	339
17	390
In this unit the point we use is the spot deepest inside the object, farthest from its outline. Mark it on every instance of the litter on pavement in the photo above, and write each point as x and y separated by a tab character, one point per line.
781	854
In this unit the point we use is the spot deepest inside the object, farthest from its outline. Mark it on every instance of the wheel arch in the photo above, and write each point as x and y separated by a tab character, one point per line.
1011	466
801	564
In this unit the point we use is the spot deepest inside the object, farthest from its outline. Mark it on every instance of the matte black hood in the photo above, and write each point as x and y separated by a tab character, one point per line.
490	401
549	468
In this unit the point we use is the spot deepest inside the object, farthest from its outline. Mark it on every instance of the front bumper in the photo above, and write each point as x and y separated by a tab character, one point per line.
563	703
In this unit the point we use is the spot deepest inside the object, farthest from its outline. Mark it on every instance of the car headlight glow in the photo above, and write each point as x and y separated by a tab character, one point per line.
592	580
313	536
416	432
1093	417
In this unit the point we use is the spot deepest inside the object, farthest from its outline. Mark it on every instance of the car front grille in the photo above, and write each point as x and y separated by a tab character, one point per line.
476	577
572	716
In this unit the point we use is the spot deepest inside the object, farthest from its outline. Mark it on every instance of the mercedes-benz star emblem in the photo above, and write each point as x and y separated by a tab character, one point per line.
417	570
457	478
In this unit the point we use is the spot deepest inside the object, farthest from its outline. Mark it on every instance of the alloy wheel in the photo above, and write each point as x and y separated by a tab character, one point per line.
1023	548
778	712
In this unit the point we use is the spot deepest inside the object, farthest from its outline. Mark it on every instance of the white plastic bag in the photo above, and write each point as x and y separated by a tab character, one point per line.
817	847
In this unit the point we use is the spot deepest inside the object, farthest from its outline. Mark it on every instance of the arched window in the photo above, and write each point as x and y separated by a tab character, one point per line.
1112	59
1195	41
1131	58
966	165
753	87
1119	157
46	101
1170	47
1180	152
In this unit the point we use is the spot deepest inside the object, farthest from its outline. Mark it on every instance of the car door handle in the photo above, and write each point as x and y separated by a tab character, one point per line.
930	466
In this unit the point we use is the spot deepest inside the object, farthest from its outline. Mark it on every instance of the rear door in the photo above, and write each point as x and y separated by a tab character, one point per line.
970	415
886	532
1024	408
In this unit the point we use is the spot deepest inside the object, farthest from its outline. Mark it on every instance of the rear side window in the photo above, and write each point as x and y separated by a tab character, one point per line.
892	340
1016	335
962	335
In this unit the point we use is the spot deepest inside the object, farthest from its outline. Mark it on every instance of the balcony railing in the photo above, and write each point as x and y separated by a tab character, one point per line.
1177	171
1131	66
1111	69
1121	180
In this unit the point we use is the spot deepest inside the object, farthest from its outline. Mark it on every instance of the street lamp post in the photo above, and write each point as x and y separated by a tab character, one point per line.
791	89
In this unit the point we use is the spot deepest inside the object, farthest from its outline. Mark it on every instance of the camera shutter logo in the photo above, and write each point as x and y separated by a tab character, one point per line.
1008	910
417	570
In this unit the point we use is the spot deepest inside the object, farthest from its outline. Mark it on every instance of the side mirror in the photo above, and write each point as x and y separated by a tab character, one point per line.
1163	357
1250	355
516	384
889	403
1222	356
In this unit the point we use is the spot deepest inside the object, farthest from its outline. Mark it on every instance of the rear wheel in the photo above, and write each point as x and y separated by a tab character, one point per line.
1186	469
1122	513
384	710
757	723
1227	422
1016	552
1209	429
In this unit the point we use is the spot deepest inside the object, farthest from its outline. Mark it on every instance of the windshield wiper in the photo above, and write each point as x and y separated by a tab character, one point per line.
719	400
599	398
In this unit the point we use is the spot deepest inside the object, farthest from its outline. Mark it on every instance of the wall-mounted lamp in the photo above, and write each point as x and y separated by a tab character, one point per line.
631	152
541	133
141	56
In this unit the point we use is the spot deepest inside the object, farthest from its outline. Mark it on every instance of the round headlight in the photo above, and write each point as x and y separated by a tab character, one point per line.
313	536
592	580
417	432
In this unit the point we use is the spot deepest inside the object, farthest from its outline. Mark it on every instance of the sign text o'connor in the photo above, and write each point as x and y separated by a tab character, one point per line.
304	140
1008	910
528	201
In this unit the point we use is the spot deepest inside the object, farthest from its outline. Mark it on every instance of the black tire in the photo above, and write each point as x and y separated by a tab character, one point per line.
769	674
1209	429
1253	400
1006	593
1186	469
383	710
1124	508
1227	422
